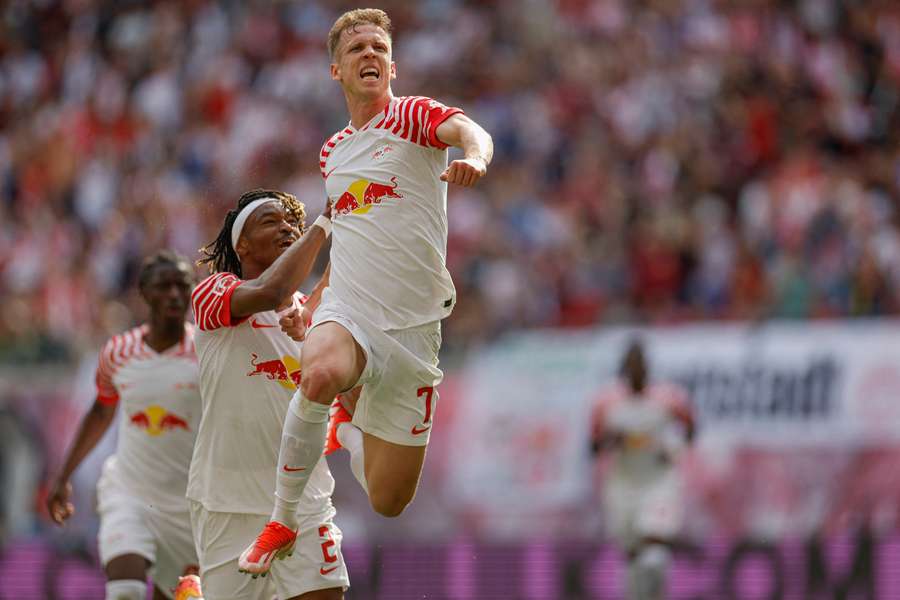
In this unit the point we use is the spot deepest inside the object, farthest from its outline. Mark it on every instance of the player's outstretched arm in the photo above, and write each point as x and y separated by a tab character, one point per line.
283	277
93	426
462	132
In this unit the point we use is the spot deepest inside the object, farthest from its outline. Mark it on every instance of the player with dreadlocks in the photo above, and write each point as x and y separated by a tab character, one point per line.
151	372
249	370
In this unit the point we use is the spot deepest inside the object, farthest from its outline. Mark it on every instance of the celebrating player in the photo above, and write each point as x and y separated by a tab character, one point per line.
642	427
151	371
249	370
379	321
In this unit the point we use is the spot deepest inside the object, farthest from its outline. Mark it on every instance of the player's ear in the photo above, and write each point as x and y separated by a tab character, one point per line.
335	72
393	70
242	248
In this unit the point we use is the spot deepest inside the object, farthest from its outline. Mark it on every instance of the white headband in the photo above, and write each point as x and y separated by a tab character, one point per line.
243	216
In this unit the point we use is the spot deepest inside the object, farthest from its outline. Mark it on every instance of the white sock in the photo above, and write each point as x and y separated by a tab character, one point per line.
351	438
302	442
650	566
126	589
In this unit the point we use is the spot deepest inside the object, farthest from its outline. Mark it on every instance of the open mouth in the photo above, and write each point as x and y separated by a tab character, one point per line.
285	243
369	74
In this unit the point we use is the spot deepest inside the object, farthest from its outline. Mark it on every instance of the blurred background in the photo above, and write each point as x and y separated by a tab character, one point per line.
722	177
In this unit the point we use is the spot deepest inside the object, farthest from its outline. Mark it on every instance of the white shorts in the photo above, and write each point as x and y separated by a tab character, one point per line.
128	525
639	510
399	394
220	538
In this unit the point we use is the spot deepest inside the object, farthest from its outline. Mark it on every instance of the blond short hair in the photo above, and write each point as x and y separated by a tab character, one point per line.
353	18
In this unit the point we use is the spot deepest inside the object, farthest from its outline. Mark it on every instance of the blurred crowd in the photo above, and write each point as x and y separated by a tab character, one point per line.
656	160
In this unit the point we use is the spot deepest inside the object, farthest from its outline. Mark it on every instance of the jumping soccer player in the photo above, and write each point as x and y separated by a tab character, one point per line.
642	427
151	372
249	370
378	324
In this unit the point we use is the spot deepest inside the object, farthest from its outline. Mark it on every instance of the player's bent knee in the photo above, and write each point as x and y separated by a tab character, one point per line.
320	383
126	589
389	503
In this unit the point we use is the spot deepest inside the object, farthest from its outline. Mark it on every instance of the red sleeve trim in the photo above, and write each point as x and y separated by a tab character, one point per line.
434	123
107	399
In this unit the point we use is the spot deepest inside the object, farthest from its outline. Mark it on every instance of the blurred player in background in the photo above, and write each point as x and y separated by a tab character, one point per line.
151	372
641	427
379	321
249	370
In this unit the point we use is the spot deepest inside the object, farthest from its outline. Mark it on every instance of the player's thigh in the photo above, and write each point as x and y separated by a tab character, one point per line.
127	566
392	469
621	505
225	582
126	543
316	570
175	550
398	404
661	511
331	345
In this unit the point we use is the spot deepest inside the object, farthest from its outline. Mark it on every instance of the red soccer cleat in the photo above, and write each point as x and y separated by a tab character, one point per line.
275	541
337	415
188	587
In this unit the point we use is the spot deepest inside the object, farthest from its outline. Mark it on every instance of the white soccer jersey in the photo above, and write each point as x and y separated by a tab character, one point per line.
249	370
159	402
646	424
388	254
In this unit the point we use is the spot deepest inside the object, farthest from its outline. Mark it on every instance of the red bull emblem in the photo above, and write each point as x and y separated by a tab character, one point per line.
284	370
362	194
155	420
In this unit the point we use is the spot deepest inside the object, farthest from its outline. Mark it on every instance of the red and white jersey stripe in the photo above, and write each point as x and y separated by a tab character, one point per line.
412	118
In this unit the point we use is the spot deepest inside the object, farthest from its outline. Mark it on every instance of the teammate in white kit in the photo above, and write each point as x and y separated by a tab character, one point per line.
249	370
378	325
642	427
151	372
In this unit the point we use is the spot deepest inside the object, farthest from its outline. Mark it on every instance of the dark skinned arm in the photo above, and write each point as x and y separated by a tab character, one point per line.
93	427
275	285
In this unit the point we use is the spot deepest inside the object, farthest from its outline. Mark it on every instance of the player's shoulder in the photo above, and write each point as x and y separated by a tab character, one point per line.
213	284
122	346
330	145
610	394
217	277
668	392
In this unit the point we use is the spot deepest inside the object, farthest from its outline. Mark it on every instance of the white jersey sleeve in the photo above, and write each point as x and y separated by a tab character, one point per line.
388	255
249	370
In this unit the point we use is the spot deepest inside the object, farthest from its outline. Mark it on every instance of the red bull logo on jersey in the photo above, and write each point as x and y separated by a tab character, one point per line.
362	194
156	420
284	370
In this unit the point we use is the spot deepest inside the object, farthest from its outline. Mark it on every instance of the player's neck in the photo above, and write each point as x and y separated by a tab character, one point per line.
164	334
363	108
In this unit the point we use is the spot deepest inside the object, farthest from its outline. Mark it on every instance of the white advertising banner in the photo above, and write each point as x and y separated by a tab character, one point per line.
521	432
